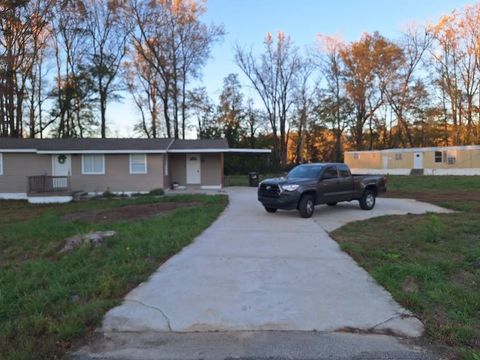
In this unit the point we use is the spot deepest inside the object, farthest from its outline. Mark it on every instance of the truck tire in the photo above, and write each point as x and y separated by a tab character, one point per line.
270	209
331	203
306	206
367	201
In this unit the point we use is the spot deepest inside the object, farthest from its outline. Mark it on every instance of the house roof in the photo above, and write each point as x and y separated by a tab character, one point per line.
112	146
68	145
203	144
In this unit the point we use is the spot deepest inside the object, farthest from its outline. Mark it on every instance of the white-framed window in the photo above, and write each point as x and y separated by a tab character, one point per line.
138	163
356	156
1	164
398	156
93	164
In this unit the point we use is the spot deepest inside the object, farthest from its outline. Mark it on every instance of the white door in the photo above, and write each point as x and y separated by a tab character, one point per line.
385	161
61	166
418	160
193	169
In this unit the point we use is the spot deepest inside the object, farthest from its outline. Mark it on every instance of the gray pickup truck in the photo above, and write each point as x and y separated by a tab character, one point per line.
324	183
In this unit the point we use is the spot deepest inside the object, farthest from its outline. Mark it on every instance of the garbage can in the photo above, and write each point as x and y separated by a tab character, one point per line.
252	179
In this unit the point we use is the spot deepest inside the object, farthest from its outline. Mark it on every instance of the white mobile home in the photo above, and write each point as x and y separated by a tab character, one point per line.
448	160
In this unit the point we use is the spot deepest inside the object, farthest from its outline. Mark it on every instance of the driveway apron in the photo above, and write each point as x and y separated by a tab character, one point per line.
251	270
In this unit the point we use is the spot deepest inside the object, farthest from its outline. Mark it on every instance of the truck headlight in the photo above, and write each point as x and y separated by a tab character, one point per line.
290	187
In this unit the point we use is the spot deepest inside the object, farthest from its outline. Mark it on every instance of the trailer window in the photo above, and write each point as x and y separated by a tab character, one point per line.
438	156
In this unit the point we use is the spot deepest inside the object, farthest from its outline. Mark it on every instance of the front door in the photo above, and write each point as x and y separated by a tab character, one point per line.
418	160
193	169
61	166
385	161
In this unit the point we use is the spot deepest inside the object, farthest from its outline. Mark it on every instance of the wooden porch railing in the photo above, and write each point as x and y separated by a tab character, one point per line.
48	184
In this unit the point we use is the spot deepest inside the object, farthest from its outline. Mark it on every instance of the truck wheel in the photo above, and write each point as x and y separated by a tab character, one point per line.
331	203
270	209
306	206
367	201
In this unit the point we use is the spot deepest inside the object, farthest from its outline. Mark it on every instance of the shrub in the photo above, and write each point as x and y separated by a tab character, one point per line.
434	229
158	191
108	194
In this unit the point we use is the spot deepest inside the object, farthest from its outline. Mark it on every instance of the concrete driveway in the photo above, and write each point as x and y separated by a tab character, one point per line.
257	271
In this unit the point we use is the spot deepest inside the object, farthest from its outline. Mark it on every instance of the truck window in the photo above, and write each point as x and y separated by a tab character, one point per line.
343	170
330	173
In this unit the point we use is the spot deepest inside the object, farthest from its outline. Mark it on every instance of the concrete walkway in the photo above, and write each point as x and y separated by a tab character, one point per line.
257	271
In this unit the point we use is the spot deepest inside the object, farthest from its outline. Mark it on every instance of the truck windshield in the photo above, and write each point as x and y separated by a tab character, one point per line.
305	172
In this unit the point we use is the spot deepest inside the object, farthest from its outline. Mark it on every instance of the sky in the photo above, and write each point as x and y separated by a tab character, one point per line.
247	21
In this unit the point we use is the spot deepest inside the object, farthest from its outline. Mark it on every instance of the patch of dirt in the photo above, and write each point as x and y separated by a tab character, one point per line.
127	213
470	197
410	284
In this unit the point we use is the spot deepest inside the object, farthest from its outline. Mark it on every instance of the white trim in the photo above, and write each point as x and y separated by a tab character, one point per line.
439	172
198	151
136	151
1	163
211	187
93	152
462	172
127	193
130	165
425	149
19	150
94	173
254	151
49	199
13	196
380	171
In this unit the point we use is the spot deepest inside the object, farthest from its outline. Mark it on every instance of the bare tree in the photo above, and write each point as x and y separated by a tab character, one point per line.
303	106
21	26
72	111
142	83
273	77
203	110
107	32
456	59
334	107
176	44
402	93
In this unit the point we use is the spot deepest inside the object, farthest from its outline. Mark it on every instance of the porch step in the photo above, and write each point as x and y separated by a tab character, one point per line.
79	195
417	172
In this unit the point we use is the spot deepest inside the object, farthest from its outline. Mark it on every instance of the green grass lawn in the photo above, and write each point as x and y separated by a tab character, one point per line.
433	183
429	263
49	300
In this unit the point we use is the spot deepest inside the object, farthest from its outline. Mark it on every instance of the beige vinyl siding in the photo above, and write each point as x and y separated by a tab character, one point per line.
211	170
117	177
17	167
464	159
406	161
366	160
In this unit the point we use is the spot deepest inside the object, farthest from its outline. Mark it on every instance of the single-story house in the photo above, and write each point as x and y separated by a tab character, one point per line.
447	160
35	168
